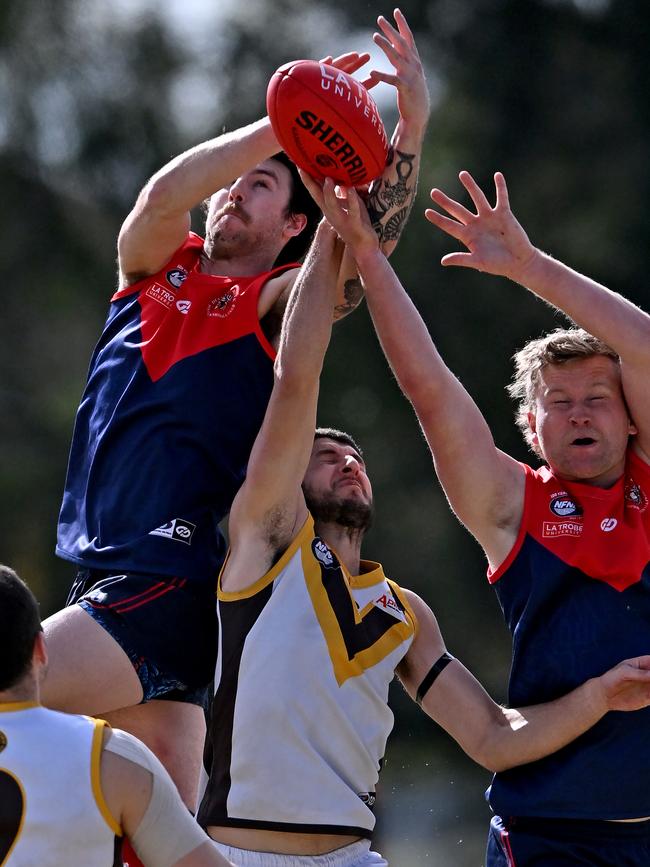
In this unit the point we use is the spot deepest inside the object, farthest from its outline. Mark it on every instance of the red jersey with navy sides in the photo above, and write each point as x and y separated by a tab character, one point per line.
575	592
177	390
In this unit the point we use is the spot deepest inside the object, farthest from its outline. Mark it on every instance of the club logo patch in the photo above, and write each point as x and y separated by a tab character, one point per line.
177	529
564	507
608	524
176	277
323	554
161	295
223	305
554	529
183	306
635	497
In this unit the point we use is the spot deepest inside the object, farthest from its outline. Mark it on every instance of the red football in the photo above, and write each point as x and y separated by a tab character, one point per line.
327	122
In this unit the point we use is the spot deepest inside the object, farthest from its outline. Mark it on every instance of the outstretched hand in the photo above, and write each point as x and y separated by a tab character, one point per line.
494	238
346	212
627	685
398	44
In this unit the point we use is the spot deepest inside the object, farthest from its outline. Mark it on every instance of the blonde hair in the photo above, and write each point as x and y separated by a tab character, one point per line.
558	347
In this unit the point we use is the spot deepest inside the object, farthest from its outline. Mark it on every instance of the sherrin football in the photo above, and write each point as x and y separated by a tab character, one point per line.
327	122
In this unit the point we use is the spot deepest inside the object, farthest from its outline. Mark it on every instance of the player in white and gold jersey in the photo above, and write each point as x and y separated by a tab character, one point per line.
311	634
70	787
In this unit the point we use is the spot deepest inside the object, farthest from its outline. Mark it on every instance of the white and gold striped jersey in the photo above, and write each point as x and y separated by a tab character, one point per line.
301	717
52	811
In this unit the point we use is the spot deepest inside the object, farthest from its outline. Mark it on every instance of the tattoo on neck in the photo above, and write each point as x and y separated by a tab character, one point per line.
384	197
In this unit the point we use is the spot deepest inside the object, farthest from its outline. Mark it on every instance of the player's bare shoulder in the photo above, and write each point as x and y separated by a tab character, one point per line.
275	292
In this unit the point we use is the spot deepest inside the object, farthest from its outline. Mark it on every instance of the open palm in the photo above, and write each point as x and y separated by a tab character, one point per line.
495	241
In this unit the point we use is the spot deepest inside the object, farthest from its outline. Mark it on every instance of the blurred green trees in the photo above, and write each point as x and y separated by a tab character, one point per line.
94	98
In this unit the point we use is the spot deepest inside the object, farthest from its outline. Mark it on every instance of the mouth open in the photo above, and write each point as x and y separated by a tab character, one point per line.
583	441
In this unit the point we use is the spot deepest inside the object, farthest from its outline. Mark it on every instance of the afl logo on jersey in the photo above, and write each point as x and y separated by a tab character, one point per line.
564	507
176	277
224	304
323	554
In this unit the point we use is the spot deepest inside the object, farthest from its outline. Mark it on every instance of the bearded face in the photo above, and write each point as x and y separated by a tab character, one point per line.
351	513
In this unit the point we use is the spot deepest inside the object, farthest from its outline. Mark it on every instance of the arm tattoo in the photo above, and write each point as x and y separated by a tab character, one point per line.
384	197
353	292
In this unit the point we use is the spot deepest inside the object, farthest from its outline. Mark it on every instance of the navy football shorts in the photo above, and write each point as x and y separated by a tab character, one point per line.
166	628
526	842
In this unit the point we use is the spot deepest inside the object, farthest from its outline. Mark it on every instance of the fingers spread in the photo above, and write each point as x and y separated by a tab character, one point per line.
404	29
476	193
452	207
451	227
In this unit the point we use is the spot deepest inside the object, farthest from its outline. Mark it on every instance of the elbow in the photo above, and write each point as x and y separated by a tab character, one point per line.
486	756
497	764
493	760
292	377
420	390
494	751
157	195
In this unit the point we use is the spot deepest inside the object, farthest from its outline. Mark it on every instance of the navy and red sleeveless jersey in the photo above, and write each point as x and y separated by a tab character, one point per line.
177	390
575	592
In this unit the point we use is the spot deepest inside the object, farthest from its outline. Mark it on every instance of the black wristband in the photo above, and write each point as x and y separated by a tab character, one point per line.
431	675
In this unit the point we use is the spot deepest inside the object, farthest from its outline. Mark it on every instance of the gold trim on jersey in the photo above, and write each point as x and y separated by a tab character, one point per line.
274	571
349	652
5	860
95	776
12	706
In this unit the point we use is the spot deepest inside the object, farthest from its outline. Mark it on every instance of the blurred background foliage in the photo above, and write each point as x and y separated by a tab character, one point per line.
94	97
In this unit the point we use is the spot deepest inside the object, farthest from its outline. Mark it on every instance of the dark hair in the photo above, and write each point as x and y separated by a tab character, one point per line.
300	202
20	623
339	436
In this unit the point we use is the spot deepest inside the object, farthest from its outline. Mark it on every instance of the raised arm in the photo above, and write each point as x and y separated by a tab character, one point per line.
484	486
391	196
160	219
499	738
497	243
270	502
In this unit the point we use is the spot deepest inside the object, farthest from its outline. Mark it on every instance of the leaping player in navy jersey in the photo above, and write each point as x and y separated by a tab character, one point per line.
568	545
177	389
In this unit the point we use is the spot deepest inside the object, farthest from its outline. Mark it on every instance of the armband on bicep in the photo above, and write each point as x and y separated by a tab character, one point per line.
431	675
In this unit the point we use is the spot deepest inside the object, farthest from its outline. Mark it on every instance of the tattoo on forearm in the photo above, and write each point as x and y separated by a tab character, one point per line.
353	292
394	225
385	196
